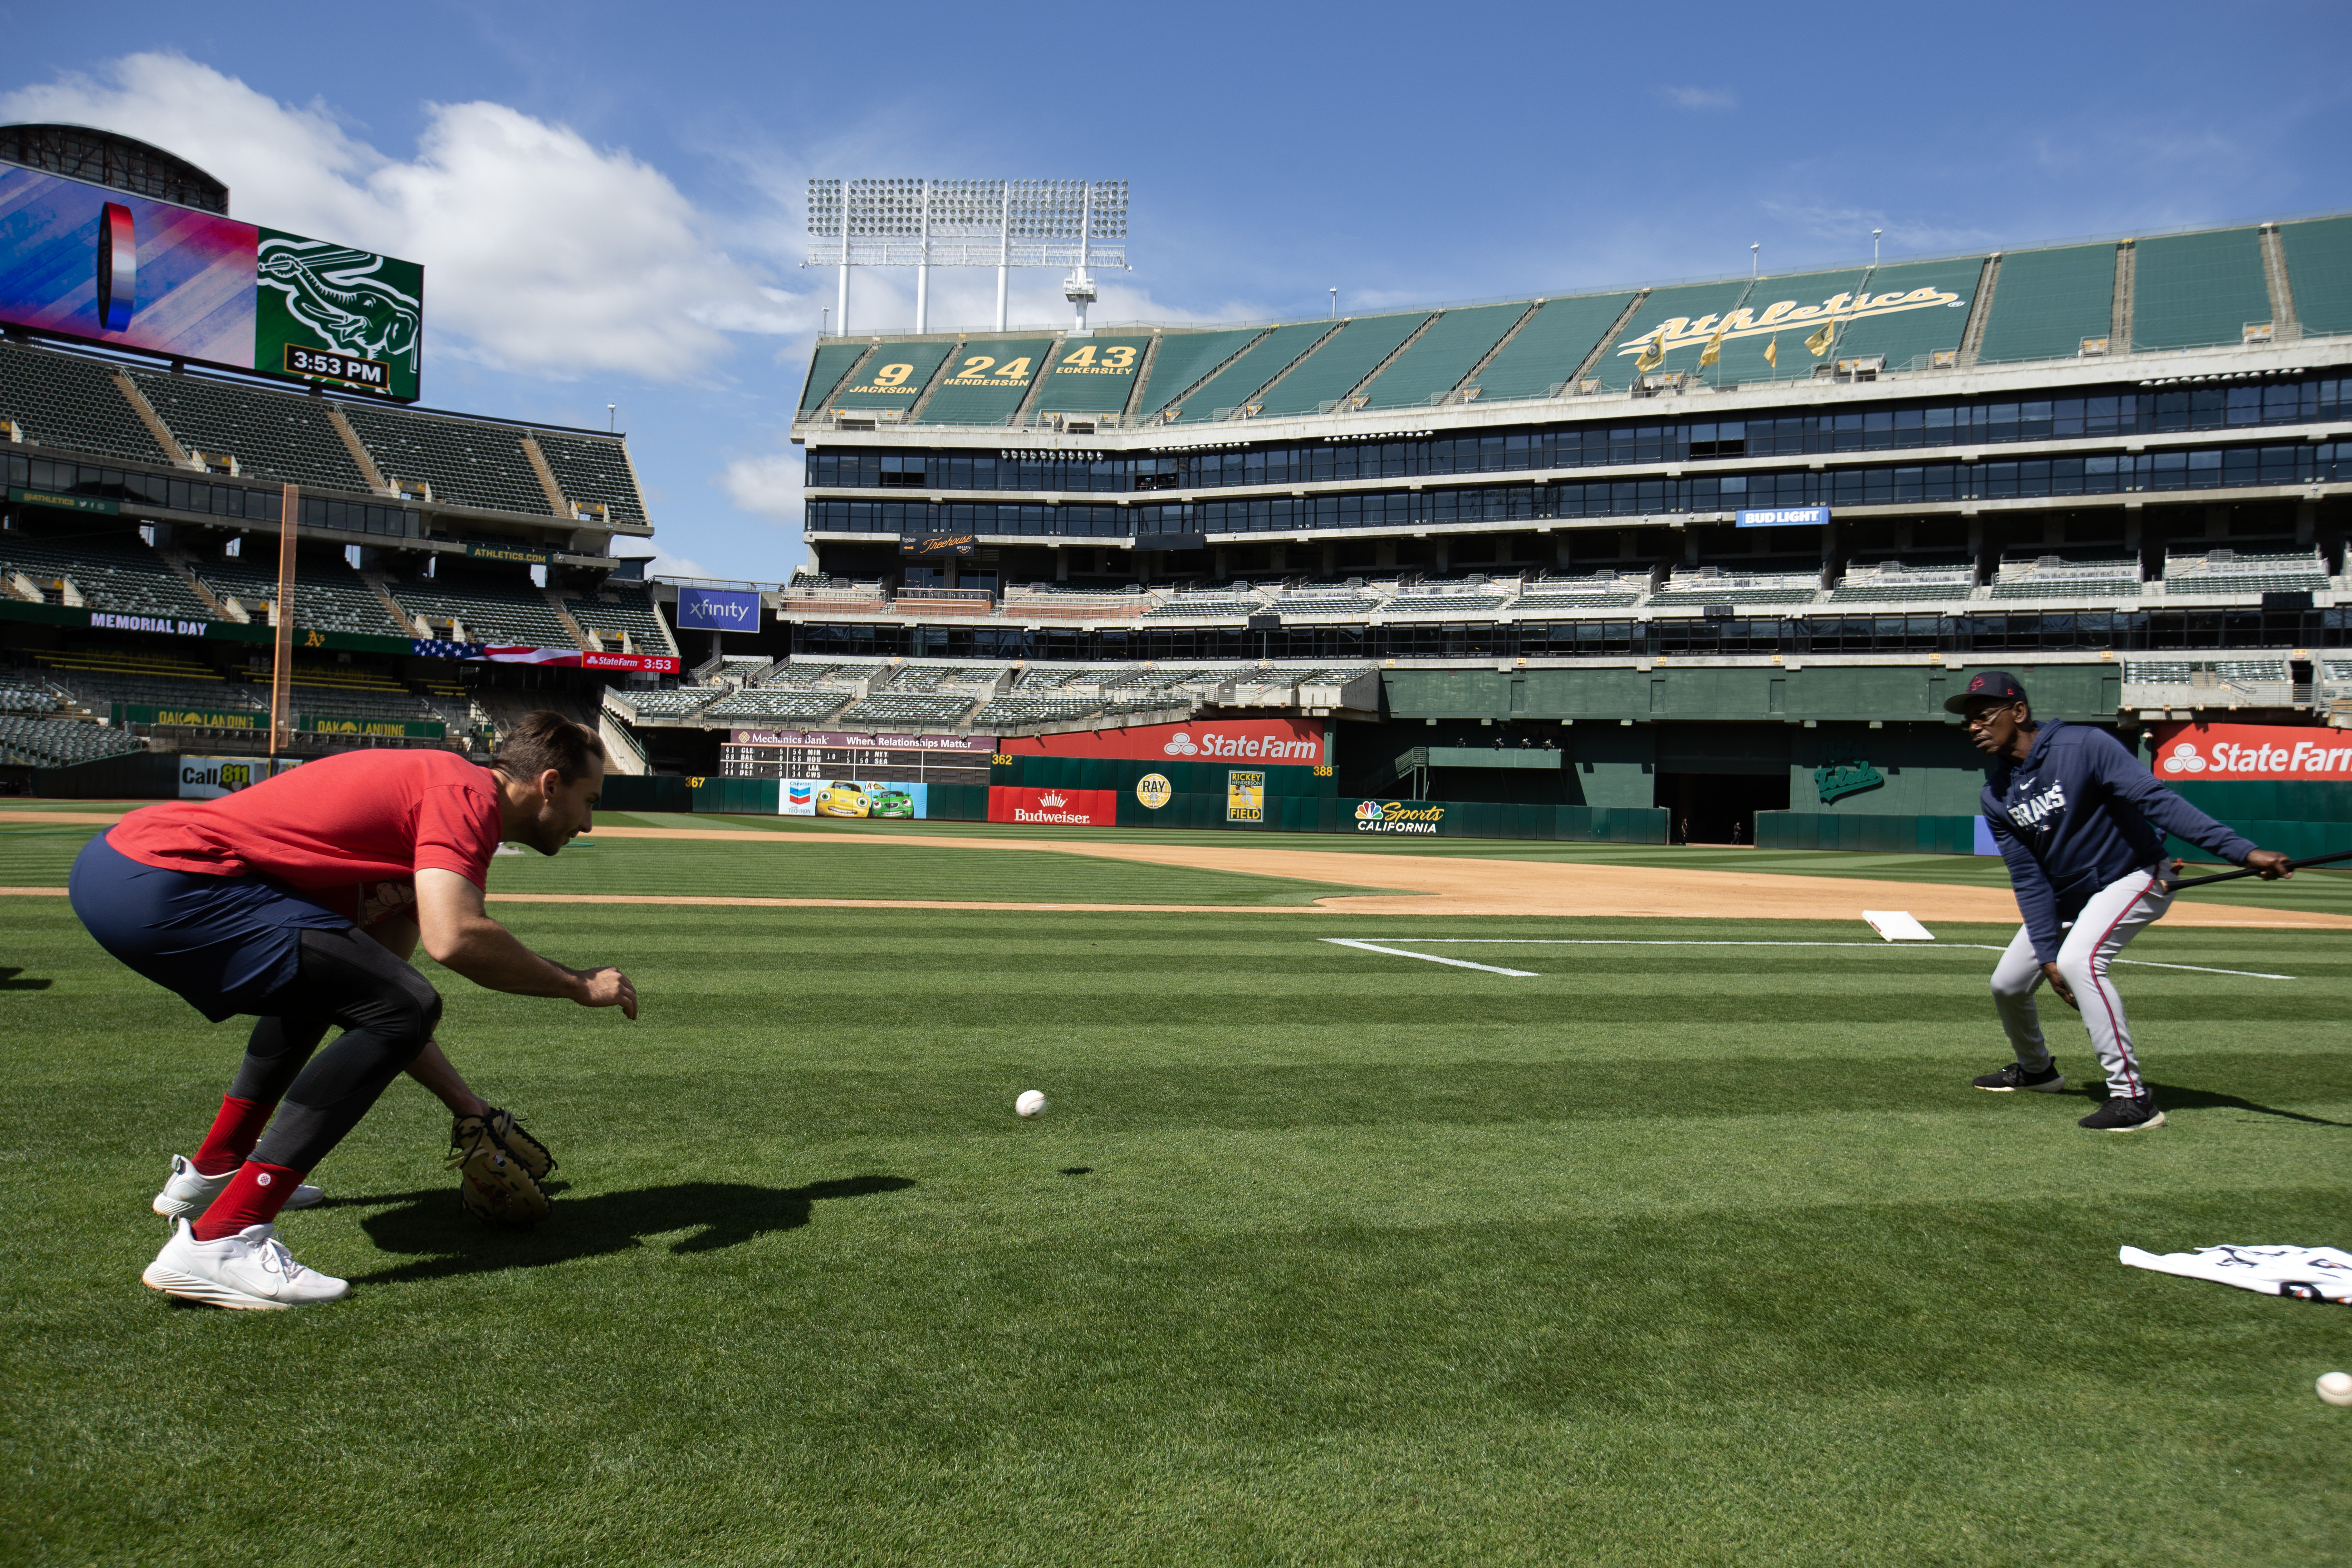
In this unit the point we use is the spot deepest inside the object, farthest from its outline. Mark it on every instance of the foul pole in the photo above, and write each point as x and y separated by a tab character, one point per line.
282	664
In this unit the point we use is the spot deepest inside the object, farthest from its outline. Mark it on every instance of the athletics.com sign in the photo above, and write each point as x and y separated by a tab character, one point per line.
2238	753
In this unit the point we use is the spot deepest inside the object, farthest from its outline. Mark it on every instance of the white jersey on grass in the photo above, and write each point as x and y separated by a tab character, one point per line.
2312	1273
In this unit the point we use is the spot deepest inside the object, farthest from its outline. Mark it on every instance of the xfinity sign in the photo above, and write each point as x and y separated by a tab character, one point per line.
1783	516
717	610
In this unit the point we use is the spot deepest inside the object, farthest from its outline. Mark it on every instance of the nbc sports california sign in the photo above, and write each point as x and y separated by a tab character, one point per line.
2242	754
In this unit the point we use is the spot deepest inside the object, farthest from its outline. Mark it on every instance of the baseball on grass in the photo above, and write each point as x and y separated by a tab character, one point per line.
2336	1387
1031	1103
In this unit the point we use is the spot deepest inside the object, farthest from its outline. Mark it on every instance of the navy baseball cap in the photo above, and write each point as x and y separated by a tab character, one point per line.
1995	683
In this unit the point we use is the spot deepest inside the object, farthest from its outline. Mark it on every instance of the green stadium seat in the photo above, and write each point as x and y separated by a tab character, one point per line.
275	436
1092	376
2193	290
1439	359
1184	357
1545	352
826	367
2047	301
2319	272
1907	323
1234	385
985	382
1339	361
895	378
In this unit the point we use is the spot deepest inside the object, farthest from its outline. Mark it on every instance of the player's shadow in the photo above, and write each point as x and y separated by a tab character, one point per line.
2175	1099
10	981
432	1228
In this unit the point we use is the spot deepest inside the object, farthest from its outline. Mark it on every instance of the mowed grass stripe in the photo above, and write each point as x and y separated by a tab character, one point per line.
1370	1261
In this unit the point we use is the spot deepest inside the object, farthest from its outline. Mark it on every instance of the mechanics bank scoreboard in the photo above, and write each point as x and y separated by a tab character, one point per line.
877	758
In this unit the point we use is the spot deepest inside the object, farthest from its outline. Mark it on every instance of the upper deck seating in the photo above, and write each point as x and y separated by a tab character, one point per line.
356	691
2227	571
26	742
1183	359
804	677
618	609
273	434
97	679
1220	607
1015	709
826	367
1894	314
1420	602
894	377
675	702
1715	586
592	468
914	677
2047	576
775	705
1236	383
1545	353
118	573
1439	359
328	595
986	382
1898	581
1606	590
2193	289
1346	601
21	691
65	400
2047	301
489	612
893	709
1093	376
1324	377
2319	272
466	462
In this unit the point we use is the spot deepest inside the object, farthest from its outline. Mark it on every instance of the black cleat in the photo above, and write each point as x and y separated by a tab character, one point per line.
2017	1076
2125	1113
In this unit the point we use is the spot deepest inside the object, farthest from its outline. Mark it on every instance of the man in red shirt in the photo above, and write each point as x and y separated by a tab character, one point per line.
299	900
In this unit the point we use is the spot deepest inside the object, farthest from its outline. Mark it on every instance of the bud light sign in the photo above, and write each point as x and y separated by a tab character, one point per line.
717	610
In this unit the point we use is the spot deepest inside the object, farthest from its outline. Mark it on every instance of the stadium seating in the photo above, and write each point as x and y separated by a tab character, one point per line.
1898	581
592	468
672	703
1184	357
987	398
918	678
21	691
1339	361
1015	709
1422	601
826	367
1210	606
1236	383
2047	301
2055	577
910	367
1439	359
328	595
1712	585
489	613
1355	602
1545	353
56	743
65	400
793	675
619	609
891	708
118	573
2190	291
97	679
273	434
2234	572
760	704
467	463
2319	263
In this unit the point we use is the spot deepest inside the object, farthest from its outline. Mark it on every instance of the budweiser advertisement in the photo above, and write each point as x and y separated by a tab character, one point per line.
1056	807
1295	742
2240	753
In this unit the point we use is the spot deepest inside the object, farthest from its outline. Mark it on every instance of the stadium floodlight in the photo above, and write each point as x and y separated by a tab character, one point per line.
1002	224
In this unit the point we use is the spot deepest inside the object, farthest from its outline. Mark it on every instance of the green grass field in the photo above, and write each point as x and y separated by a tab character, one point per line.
1665	1255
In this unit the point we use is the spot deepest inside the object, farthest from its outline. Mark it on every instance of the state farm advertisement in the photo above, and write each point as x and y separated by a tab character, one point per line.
1054	808
2235	753
1295	742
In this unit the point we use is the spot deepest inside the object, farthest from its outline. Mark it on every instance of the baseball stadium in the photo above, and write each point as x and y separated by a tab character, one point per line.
1489	827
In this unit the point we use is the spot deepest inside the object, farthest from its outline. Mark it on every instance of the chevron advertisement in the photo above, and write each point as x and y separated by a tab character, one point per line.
1294	742
2243	754
1054	808
79	260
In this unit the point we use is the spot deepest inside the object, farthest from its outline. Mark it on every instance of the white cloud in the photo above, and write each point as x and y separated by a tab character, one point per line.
543	254
1703	98
767	485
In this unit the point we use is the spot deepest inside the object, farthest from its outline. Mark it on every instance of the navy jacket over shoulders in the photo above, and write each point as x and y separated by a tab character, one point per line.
2079	813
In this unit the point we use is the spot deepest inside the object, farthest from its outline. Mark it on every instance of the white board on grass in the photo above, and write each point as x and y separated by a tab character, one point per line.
1896	925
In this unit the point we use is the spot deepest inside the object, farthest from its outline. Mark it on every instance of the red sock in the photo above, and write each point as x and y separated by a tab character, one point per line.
253	1196
235	1131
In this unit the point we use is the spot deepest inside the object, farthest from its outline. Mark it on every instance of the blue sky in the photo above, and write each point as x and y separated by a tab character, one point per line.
608	199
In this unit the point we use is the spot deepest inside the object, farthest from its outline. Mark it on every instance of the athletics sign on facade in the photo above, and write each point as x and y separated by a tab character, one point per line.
2241	753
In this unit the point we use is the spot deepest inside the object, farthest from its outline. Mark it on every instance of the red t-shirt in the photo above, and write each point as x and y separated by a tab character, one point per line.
335	828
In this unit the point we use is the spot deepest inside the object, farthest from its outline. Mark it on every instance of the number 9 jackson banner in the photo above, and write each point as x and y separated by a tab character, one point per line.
91	262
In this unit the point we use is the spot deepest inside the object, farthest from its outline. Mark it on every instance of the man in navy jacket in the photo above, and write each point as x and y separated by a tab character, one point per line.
2080	825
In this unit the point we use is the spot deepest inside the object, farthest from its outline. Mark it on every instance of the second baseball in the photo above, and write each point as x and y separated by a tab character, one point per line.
1031	1103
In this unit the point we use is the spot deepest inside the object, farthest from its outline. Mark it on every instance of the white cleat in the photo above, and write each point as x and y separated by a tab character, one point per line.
190	1191
248	1271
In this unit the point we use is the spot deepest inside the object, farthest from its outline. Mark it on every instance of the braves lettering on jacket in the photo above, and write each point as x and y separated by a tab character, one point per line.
2079	813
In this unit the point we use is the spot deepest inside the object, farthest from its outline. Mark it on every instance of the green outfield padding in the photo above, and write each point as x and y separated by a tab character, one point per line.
1547	352
2319	272
2047	301
2190	291
1441	356
646	792
1877	835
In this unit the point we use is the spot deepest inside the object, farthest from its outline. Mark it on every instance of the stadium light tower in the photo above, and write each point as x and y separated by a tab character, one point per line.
1002	224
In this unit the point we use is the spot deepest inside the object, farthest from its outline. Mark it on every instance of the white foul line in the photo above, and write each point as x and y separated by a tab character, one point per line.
1429	957
1654	941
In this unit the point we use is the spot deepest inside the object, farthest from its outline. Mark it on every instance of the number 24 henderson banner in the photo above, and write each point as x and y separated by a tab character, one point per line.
91	262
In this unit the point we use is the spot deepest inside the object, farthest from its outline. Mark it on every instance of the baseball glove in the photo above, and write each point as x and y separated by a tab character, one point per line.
499	1167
